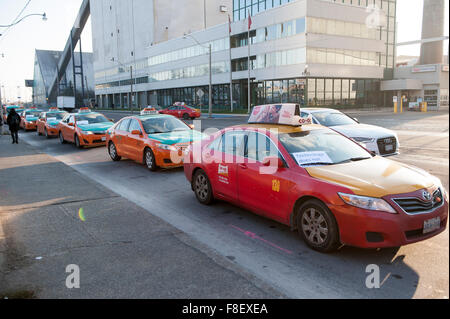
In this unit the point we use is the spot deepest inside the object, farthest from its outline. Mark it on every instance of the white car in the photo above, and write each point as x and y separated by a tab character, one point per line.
377	139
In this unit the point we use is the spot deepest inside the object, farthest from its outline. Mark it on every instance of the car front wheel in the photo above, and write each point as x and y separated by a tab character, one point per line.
317	226
202	188
113	152
61	138
149	159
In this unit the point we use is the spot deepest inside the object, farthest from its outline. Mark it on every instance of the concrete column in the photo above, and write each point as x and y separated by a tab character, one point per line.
432	27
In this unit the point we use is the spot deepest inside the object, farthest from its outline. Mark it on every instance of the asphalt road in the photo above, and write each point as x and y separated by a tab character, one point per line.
270	251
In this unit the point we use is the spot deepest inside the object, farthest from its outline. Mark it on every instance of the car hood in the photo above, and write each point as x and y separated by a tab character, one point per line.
177	137
364	130
375	177
97	127
53	123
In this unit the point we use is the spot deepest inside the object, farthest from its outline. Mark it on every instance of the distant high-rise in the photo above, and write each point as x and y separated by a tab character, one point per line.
432	27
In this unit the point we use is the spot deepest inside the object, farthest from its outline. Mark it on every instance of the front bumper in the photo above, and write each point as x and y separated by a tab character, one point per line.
29	126
372	229
167	159
93	140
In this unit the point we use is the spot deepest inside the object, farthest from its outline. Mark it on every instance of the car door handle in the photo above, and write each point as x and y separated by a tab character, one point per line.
243	166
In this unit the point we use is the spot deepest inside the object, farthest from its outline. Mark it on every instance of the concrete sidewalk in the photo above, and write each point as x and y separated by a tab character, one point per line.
122	250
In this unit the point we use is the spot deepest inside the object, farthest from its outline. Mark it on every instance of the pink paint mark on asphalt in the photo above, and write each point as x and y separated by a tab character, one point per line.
251	235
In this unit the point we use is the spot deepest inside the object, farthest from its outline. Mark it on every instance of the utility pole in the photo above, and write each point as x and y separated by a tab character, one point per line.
131	96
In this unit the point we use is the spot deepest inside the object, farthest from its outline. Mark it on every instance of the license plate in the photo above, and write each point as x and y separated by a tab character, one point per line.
431	225
389	148
103	139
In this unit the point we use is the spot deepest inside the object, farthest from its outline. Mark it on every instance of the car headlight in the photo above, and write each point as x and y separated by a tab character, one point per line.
167	147
369	203
364	140
87	133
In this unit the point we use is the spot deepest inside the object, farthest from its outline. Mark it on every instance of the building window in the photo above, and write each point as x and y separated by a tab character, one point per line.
241	8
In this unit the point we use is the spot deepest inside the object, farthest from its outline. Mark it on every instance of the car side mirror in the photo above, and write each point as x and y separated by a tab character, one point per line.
136	132
271	160
72	124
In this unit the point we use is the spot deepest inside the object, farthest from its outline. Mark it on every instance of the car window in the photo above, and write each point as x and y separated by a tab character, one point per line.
134	125
71	119
123	126
167	124
321	147
334	118
232	142
259	146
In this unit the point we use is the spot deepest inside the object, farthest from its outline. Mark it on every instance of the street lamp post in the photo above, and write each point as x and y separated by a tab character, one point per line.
130	102
43	15
210	70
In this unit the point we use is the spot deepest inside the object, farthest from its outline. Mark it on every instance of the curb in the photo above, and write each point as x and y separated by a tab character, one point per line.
2	246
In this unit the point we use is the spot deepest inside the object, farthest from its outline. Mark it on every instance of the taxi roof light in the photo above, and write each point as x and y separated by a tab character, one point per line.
281	114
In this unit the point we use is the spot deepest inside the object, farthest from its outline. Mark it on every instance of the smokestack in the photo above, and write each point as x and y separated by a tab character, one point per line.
432	27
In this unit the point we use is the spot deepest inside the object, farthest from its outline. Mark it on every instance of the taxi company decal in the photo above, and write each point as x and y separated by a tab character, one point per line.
284	114
223	174
305	158
276	185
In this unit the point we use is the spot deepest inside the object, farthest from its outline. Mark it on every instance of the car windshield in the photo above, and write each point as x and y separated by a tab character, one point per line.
322	147
32	113
17	110
333	119
90	119
163	125
56	116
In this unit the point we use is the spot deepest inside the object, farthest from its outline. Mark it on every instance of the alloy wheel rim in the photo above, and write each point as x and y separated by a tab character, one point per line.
149	159
201	187
112	150
315	226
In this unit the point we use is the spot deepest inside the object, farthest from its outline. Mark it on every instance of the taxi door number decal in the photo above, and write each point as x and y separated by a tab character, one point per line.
276	185
223	174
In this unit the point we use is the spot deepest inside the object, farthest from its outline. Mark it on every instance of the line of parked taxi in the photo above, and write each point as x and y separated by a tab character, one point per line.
331	188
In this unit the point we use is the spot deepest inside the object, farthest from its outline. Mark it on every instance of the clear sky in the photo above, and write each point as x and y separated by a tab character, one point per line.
19	43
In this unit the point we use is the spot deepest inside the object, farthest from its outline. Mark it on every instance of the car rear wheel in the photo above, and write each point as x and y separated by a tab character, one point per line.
317	226
113	152
77	142
61	138
186	116
46	134
202	188
149	159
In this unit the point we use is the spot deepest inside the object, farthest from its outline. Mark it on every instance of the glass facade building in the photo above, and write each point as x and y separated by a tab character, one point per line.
279	48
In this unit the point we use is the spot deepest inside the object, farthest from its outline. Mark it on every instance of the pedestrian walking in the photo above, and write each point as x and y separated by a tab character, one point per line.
13	122
1	124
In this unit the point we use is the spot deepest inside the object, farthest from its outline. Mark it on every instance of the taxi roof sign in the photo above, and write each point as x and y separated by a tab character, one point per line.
149	111
282	114
84	110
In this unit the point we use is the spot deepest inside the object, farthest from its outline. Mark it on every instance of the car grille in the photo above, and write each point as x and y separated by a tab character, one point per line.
387	146
99	133
417	206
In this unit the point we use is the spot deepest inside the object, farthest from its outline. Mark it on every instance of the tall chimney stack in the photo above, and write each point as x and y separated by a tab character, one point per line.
432	27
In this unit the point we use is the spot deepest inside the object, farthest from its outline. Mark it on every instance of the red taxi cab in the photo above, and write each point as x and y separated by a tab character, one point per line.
182	111
317	181
29	119
48	122
155	140
84	129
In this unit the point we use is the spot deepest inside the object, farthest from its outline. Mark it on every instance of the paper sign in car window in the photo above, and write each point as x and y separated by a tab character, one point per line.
83	122
51	119
305	158
29	116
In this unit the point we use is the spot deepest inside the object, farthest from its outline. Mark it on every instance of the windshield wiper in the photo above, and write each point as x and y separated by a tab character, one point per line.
317	163
357	159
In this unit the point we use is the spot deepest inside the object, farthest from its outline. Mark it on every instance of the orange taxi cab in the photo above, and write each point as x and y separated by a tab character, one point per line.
317	181
155	140
48	122
29	119
84	129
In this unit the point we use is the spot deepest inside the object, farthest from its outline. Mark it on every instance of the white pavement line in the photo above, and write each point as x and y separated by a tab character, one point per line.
424	148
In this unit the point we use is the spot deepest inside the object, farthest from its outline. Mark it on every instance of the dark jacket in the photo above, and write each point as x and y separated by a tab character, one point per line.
13	120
